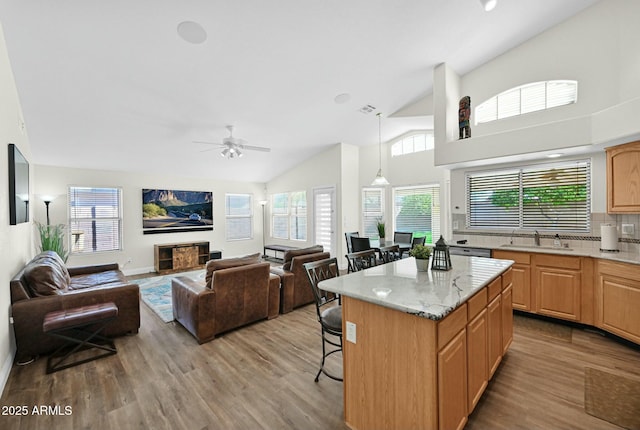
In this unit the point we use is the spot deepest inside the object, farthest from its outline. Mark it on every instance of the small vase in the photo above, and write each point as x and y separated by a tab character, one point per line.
382	241
422	264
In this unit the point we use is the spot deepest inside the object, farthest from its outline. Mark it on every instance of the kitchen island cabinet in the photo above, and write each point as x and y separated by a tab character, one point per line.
409	355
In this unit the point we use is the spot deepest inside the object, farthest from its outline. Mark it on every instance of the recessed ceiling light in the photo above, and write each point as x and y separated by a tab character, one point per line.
192	32
555	155
342	98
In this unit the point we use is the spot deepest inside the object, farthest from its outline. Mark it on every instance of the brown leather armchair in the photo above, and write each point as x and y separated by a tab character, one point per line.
295	289
238	291
45	285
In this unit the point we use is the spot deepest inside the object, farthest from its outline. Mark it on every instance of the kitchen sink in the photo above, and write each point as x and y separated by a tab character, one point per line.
534	247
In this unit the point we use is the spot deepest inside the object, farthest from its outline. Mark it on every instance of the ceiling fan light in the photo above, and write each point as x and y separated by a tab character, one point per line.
489	5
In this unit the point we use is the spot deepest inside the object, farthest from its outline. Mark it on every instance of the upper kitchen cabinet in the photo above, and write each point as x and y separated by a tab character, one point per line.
623	178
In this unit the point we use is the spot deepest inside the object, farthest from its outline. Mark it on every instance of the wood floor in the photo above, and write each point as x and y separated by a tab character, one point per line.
261	377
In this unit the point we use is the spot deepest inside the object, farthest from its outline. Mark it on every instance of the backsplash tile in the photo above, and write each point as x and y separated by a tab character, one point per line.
494	238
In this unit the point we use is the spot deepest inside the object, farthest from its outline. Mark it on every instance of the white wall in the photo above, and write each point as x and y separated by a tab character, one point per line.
139	247
322	170
15	240
597	48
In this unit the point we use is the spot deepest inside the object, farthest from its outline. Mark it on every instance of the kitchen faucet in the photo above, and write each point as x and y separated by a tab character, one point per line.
512	233
536	238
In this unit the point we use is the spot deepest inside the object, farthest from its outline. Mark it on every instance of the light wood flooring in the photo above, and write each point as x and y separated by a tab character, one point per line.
261	377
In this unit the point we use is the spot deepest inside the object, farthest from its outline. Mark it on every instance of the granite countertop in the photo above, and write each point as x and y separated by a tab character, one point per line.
433	294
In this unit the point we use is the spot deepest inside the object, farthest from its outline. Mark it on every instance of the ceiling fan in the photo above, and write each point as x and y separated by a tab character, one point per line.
232	146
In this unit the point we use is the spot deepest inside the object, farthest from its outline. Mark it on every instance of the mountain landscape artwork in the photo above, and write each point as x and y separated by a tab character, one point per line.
165	211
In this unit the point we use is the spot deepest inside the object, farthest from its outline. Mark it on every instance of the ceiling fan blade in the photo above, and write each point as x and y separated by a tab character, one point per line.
221	145
255	148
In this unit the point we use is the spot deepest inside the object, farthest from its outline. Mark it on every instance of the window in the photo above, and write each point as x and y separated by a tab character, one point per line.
417	210
551	197
372	210
95	219
411	143
289	215
239	216
527	98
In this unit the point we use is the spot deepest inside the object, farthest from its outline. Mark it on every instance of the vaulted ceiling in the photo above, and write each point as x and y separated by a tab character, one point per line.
113	85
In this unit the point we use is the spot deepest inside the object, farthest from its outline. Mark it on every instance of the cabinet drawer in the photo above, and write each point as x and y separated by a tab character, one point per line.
494	288
559	261
451	325
476	303
507	278
518	257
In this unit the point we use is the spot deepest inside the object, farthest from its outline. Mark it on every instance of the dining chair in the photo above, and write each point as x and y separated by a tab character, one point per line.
389	253
361	260
417	241
402	237
360	244
328	309
348	236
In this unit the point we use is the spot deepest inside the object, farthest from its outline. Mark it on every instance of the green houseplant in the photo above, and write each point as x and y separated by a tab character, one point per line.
381	230
421	253
52	239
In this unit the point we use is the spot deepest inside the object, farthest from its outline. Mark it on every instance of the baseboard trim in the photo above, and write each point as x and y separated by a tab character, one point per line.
5	371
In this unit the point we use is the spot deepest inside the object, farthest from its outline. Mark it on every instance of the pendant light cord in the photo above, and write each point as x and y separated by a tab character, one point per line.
379	141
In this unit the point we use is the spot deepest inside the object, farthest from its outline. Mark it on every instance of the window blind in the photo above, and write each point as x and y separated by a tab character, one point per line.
547	197
298	218
372	210
95	219
239	216
417	210
280	215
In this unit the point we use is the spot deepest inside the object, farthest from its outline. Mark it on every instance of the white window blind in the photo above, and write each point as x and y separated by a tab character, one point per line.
289	215
372	210
417	210
298	218
546	197
95	219
280	216
527	98
239	216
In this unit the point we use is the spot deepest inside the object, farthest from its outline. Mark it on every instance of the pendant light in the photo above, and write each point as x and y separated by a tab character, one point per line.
380	180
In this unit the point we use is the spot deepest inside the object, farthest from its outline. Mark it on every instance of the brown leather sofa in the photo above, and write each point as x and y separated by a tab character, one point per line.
238	291
45	284
295	289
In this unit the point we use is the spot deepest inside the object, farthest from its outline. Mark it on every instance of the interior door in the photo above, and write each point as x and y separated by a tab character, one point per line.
324	223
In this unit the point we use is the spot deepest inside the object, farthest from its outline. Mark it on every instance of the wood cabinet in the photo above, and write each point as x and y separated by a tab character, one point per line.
452	383
477	362
521	274
623	178
617	299
557	280
507	318
494	340
175	257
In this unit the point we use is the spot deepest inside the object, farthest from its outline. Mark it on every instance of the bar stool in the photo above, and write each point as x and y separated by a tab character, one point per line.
79	327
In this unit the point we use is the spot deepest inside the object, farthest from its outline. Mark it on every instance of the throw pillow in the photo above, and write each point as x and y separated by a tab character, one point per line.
46	275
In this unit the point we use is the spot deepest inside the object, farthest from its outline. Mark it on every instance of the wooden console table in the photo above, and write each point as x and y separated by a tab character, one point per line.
176	257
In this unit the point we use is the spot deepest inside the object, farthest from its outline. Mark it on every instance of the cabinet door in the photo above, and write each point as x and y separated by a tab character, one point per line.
618	306
477	356
495	348
507	318
521	297
452	383
558	292
623	178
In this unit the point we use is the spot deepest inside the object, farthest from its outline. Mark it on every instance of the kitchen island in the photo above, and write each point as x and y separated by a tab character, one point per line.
420	347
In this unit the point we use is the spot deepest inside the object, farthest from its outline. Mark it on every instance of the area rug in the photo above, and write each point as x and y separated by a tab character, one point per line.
612	397
156	292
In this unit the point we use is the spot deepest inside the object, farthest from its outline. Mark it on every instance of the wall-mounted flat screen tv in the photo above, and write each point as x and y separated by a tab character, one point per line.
18	186
169	211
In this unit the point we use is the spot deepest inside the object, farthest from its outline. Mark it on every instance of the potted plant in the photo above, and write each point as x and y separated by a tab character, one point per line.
381	231
52	239
421	253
